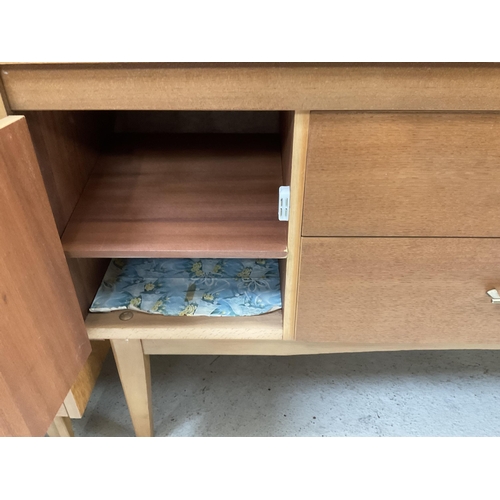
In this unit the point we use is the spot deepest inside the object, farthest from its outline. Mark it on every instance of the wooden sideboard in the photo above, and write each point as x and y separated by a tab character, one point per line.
391	244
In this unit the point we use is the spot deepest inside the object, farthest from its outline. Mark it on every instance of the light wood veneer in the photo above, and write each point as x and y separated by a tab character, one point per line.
151	326
408	291
233	86
403	174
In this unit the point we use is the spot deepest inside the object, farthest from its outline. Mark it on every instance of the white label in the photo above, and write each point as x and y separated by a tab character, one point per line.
284	203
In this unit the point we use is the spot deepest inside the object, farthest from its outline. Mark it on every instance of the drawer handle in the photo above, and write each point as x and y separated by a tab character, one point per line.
494	295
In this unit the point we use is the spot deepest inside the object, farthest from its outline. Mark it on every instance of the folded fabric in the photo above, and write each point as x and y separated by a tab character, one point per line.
191	287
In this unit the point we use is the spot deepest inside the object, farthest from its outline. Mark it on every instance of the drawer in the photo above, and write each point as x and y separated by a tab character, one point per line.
403	174
406	291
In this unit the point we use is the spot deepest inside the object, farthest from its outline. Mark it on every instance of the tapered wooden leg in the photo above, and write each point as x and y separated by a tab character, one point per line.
135	375
61	427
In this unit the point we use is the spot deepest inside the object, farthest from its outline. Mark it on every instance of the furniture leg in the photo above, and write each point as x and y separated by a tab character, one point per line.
135	375
61	427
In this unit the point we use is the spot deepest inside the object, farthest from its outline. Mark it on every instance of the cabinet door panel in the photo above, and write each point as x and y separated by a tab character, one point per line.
43	341
425	293
403	174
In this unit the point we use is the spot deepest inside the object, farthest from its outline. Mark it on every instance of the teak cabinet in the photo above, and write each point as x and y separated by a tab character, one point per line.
392	240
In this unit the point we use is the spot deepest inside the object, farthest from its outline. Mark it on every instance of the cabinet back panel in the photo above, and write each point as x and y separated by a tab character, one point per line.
197	122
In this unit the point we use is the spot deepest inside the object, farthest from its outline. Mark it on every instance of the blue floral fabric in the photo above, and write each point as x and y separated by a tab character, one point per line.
191	287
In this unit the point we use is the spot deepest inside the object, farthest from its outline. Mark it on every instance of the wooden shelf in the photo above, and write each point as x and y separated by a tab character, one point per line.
189	195
155	327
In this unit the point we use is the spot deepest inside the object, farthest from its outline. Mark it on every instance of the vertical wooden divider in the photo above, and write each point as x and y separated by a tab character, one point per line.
4	105
300	136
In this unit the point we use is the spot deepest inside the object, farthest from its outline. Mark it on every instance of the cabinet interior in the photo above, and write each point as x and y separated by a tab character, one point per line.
164	184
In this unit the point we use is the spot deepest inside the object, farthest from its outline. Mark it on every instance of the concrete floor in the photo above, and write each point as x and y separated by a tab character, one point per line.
437	393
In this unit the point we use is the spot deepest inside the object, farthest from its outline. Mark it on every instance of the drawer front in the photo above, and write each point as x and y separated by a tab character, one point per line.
421	292
403	174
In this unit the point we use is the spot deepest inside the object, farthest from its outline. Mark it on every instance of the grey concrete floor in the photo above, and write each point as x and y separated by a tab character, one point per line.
436	393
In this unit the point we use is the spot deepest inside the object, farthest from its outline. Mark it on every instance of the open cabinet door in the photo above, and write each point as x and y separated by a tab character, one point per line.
43	341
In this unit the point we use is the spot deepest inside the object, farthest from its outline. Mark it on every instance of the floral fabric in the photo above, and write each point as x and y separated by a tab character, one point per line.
191	287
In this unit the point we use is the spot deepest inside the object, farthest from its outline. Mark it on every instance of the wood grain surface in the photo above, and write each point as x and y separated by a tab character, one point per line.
407	291
43	341
135	375
62	412
297	173
3	111
253	86
86	275
78	397
67	146
4	105
404	174
153	326
296	348
182	196
61	427
287	120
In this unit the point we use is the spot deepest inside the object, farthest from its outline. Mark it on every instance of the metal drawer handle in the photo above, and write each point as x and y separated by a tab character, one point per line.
494	295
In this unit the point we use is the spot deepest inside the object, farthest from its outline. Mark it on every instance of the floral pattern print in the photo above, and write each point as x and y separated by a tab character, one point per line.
191	287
